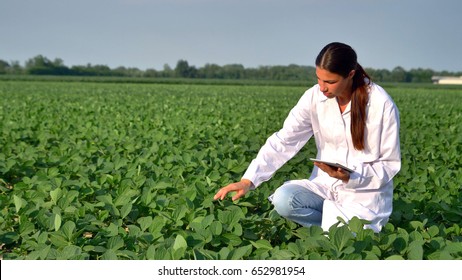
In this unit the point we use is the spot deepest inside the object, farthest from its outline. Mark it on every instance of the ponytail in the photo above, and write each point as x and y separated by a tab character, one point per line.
359	99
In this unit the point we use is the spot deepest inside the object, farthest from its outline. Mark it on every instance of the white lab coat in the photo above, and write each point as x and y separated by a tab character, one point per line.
369	192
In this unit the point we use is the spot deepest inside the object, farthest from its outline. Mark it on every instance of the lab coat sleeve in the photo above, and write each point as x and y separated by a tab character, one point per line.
284	144
379	172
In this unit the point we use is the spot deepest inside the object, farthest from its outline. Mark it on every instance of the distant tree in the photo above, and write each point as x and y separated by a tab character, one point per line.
15	68
4	66
379	75
101	70
37	61
420	75
167	72
151	73
82	70
182	69
211	71
91	70
233	71
134	72
40	65
58	62
127	72
120	71
398	74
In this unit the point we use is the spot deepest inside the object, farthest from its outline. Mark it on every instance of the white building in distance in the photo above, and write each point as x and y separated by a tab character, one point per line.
446	80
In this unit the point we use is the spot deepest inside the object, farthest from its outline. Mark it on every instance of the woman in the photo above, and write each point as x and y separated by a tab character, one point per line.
355	123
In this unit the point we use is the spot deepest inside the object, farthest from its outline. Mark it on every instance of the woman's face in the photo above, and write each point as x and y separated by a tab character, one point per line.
334	85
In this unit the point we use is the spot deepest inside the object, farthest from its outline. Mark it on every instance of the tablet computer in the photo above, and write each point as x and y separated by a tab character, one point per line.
333	164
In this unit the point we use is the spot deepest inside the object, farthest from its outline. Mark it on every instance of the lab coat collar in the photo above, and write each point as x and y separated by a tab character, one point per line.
323	99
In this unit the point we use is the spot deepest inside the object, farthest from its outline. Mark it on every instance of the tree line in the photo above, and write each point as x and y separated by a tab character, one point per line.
41	65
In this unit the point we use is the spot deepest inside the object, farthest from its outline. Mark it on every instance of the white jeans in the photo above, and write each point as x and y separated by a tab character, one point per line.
298	204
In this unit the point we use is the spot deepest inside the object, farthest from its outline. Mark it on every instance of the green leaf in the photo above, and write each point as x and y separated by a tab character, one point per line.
415	250
106	199
9	237
145	222
231	239
355	224
433	231
179	213
162	185
240	252
125	196
56	195
201	254
58	239
341	237
262	244
57	221
180	243
418	225
69	252
395	257
53	172
196	223
150	252
281	254
112	230
237	229
157	225
207	221
115	243
216	228
109	255
68	230
224	253
40	253
26	227
370	256
387	241
18	203
400	244
236	215
125	210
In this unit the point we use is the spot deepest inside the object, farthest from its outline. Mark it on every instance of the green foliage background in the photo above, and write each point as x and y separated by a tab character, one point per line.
128	171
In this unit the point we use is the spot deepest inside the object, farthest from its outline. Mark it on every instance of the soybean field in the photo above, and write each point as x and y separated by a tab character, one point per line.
94	170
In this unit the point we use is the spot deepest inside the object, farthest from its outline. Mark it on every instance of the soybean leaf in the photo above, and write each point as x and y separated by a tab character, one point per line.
415	251
57	221
216	228
109	255
262	244
68	230
56	195
240	252
341	237
180	243
115	243
18	203
125	210
145	222
231	239
9	237
58	239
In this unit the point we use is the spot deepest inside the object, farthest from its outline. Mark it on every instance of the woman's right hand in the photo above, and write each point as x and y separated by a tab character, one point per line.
241	188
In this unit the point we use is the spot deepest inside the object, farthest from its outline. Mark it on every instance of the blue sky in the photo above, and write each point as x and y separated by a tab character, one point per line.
150	33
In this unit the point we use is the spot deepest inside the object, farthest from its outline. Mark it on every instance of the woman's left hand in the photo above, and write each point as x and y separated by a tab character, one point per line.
335	172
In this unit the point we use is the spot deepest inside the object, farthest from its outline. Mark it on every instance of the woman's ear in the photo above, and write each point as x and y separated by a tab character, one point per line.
352	73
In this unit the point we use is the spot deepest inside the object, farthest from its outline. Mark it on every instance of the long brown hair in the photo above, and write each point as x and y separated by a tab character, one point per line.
340	59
